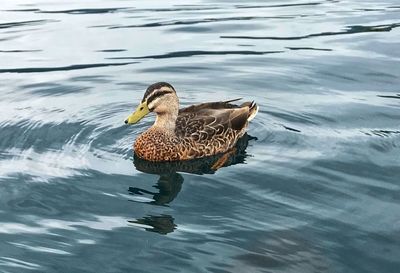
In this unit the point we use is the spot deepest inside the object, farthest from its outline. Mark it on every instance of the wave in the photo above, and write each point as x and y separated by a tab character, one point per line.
309	48
60	68
397	96
25	23
200	21
277	6
190	53
84	11
20	51
349	30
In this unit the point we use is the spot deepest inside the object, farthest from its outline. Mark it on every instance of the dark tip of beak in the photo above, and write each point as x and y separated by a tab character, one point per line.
126	121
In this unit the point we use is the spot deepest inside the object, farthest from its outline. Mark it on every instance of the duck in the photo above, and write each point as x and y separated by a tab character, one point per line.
197	131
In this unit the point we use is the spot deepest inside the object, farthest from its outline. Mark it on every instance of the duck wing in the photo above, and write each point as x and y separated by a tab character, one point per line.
207	121
210	105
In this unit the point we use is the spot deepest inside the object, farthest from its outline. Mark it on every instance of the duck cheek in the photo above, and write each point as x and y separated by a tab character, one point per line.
160	109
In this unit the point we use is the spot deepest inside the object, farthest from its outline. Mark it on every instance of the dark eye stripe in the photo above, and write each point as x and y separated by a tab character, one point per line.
157	95
155	87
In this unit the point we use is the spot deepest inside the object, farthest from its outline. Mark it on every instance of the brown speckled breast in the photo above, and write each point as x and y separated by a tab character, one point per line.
158	145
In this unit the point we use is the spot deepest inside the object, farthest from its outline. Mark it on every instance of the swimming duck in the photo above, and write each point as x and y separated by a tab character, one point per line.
196	131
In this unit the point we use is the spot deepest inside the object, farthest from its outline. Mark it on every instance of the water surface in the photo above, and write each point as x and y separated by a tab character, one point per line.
316	191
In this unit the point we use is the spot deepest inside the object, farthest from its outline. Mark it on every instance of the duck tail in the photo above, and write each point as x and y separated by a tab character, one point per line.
253	109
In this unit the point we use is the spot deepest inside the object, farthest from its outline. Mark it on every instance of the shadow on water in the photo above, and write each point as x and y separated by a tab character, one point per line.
170	181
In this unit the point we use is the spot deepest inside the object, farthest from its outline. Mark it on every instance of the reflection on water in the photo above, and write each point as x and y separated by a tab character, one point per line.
162	224
170	181
167	188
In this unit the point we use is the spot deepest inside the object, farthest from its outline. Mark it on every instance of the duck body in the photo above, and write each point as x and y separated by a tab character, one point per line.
194	132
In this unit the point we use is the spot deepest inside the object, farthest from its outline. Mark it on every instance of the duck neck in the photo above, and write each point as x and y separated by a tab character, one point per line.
166	121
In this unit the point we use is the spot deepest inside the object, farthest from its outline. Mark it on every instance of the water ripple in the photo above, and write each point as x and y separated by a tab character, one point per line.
20	50
84	11
397	96
277	6
201	21
25	23
60	68
16	263
349	30
183	54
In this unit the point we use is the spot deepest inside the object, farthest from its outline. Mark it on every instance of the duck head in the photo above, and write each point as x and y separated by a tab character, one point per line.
160	98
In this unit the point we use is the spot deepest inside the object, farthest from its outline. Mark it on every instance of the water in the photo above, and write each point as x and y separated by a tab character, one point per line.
318	191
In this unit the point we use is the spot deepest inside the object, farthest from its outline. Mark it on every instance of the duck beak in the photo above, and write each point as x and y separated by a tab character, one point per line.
141	111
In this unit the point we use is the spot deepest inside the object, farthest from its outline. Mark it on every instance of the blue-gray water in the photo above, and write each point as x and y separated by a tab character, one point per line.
318	191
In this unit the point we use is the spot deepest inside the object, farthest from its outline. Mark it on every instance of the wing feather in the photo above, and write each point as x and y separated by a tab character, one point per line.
206	122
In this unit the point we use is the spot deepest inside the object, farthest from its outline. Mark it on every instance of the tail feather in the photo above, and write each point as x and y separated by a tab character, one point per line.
253	109
229	101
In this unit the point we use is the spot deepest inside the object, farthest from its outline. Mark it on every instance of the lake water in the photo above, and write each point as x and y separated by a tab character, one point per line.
318	190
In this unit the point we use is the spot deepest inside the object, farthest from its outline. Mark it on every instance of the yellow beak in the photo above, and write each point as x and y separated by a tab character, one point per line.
141	111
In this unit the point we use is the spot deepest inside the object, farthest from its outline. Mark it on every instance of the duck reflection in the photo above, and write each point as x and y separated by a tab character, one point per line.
170	180
168	186
162	224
